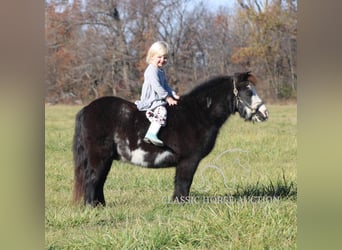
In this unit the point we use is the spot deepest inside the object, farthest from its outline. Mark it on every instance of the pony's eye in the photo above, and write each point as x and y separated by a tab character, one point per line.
250	90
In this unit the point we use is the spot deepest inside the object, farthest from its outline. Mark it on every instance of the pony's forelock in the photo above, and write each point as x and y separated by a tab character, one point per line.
252	78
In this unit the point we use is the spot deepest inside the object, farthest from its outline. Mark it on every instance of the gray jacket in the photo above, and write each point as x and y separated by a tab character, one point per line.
154	90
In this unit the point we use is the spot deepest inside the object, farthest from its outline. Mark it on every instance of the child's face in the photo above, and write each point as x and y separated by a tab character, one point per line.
159	60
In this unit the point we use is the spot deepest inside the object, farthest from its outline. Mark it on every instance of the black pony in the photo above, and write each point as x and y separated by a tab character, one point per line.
111	128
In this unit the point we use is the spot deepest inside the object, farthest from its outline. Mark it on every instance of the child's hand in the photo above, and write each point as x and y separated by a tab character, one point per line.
171	101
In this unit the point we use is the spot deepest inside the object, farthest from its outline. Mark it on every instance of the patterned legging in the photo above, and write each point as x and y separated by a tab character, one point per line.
158	115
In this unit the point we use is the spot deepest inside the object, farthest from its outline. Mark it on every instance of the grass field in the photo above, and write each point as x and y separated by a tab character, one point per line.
243	194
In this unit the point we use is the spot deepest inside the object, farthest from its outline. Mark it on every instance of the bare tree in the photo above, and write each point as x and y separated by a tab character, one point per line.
269	40
98	48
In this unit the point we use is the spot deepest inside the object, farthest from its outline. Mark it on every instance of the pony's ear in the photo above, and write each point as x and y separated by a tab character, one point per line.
251	78
245	76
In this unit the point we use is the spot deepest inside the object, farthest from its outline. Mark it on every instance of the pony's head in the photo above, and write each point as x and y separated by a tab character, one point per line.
247	102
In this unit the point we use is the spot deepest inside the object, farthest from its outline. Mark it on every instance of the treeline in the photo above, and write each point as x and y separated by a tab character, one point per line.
97	48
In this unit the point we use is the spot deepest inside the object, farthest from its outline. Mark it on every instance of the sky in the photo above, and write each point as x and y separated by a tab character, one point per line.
218	3
213	5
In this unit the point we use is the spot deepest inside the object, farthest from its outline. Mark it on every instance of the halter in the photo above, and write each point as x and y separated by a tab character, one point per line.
240	100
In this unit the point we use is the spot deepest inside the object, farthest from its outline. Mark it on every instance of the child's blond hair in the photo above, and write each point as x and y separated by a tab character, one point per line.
159	48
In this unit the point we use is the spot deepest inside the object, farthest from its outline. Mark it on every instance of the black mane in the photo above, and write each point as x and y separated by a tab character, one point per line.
213	87
208	86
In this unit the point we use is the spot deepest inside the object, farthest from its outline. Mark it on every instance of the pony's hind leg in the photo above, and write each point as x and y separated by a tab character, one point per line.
95	176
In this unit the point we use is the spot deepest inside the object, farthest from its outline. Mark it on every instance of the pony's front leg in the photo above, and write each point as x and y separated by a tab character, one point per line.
185	171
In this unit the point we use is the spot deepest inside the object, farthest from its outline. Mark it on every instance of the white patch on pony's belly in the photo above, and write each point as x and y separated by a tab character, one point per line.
123	151
138	157
160	158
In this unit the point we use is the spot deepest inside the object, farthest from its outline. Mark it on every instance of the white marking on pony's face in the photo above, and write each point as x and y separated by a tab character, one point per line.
248	113
256	104
253	107
138	157
255	100
161	157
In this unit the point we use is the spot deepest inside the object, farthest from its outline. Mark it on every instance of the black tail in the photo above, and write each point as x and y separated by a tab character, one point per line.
80	158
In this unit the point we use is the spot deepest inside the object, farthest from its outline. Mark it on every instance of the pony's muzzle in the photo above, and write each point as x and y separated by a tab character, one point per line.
261	115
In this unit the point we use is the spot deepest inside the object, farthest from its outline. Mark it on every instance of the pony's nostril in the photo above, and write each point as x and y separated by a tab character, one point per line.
266	114
263	111
260	116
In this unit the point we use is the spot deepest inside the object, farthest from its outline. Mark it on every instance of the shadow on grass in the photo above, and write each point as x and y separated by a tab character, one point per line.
280	190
